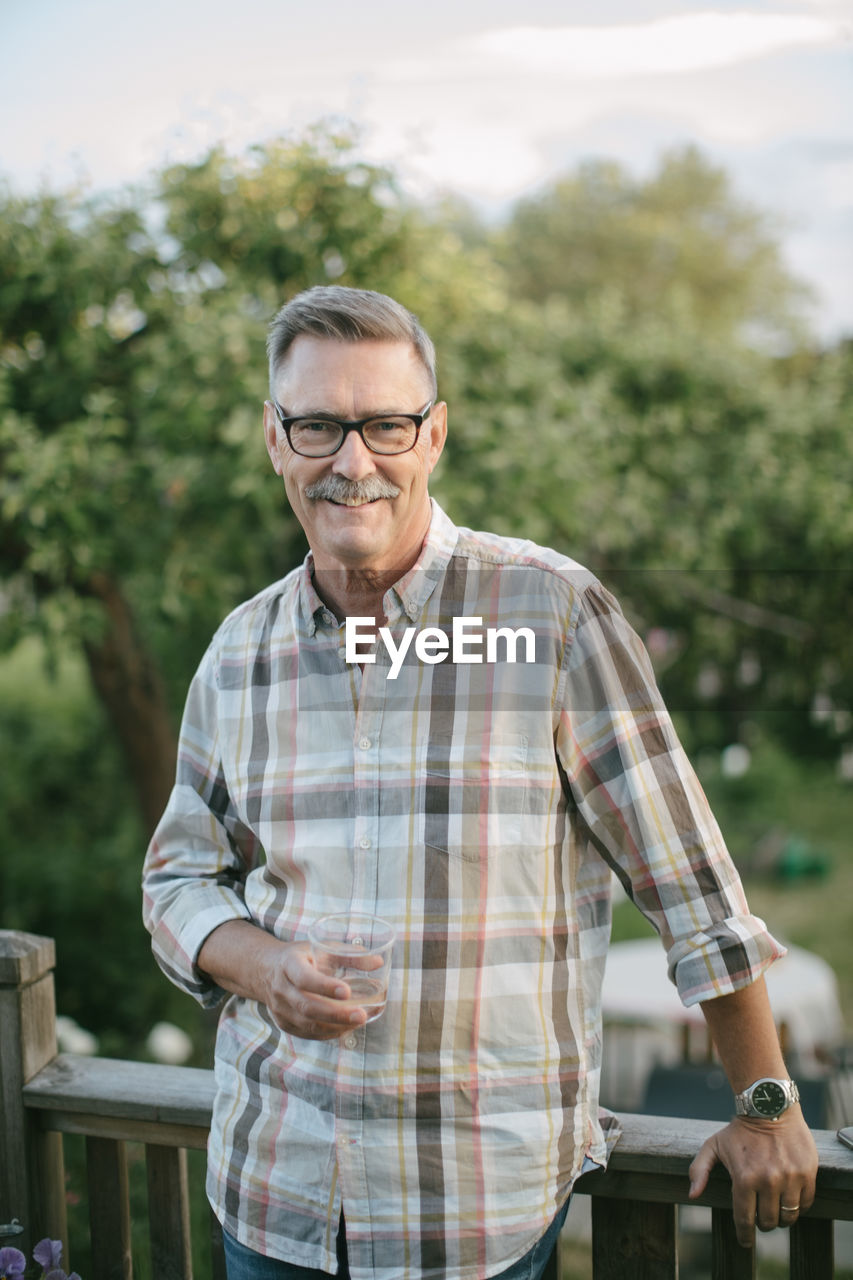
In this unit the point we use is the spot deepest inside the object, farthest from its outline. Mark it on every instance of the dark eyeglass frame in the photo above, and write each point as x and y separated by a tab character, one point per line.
418	419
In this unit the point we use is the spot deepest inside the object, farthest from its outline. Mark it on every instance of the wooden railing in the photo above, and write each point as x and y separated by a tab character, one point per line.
45	1095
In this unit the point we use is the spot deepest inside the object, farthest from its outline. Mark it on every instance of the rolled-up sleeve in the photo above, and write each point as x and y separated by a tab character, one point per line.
646	812
201	853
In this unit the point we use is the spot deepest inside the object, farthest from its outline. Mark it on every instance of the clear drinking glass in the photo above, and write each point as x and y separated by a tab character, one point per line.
356	948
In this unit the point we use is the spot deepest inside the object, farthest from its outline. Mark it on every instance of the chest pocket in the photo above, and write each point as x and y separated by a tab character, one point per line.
475	795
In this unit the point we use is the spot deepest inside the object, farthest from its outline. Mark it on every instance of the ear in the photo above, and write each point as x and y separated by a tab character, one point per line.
271	436
437	432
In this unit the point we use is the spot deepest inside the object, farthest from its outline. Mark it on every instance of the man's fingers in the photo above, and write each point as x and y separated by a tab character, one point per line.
807	1195
767	1216
308	1003
317	1013
744	1200
744	1206
788	1214
703	1163
301	971
791	1204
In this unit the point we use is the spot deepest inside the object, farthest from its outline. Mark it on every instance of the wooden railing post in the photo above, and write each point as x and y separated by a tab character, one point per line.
169	1212
729	1260
634	1240
32	1176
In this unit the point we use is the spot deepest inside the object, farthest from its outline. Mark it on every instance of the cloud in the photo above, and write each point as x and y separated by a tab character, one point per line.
687	42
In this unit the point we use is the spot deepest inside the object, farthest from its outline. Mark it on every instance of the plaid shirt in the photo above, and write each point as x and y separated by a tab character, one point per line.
480	808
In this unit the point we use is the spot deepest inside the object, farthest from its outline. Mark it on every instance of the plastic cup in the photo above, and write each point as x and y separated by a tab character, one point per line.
356	948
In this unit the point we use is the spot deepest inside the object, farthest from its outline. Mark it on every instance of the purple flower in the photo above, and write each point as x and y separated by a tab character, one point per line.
48	1253
12	1263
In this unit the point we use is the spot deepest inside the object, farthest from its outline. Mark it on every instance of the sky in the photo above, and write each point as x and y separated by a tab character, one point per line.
491	99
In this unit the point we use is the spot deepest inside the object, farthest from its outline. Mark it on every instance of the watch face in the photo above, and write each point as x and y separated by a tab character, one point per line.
769	1098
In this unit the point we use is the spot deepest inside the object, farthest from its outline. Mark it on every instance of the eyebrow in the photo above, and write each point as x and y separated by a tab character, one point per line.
324	413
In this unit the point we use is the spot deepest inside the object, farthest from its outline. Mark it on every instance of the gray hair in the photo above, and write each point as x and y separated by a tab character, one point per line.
347	315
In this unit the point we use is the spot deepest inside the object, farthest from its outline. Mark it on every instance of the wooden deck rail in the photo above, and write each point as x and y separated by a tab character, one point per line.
634	1203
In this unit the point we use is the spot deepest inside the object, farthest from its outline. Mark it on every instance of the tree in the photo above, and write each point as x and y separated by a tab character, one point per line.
69	291
135	501
706	484
678	246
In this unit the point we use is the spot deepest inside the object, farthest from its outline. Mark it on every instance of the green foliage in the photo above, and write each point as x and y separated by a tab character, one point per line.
132	374
71	865
781	799
709	492
678	246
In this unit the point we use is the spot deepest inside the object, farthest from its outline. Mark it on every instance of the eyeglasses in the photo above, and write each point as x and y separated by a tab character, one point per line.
321	436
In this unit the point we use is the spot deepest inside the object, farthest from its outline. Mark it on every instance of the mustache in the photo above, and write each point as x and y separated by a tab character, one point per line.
335	488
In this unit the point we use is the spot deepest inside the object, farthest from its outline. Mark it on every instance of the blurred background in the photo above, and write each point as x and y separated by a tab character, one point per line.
628	230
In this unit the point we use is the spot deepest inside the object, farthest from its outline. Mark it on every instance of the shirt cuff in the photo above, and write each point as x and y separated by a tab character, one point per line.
182	932
728	955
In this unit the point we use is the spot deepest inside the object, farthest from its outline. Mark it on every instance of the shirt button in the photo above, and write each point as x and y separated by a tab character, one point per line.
350	1041
364	743
364	842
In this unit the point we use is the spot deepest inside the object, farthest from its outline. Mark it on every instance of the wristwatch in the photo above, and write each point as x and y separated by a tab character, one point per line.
767	1098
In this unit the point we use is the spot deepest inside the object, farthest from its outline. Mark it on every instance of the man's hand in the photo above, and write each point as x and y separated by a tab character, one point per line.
243	958
772	1163
304	1001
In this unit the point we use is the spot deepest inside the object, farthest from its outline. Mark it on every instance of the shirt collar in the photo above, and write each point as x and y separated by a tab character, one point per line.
311	608
415	587
409	594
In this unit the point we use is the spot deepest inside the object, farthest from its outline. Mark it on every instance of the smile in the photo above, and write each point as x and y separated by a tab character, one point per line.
352	502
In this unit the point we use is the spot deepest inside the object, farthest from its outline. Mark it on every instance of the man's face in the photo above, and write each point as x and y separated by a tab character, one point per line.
354	380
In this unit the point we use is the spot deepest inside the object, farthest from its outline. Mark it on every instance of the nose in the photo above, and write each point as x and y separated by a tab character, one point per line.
353	460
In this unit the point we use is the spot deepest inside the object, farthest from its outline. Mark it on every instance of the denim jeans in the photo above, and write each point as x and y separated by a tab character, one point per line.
245	1264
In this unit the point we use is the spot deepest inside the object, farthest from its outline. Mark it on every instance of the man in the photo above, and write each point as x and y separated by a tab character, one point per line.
475	794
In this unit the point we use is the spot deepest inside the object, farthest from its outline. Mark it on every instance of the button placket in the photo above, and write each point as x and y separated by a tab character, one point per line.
366	746
349	1120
